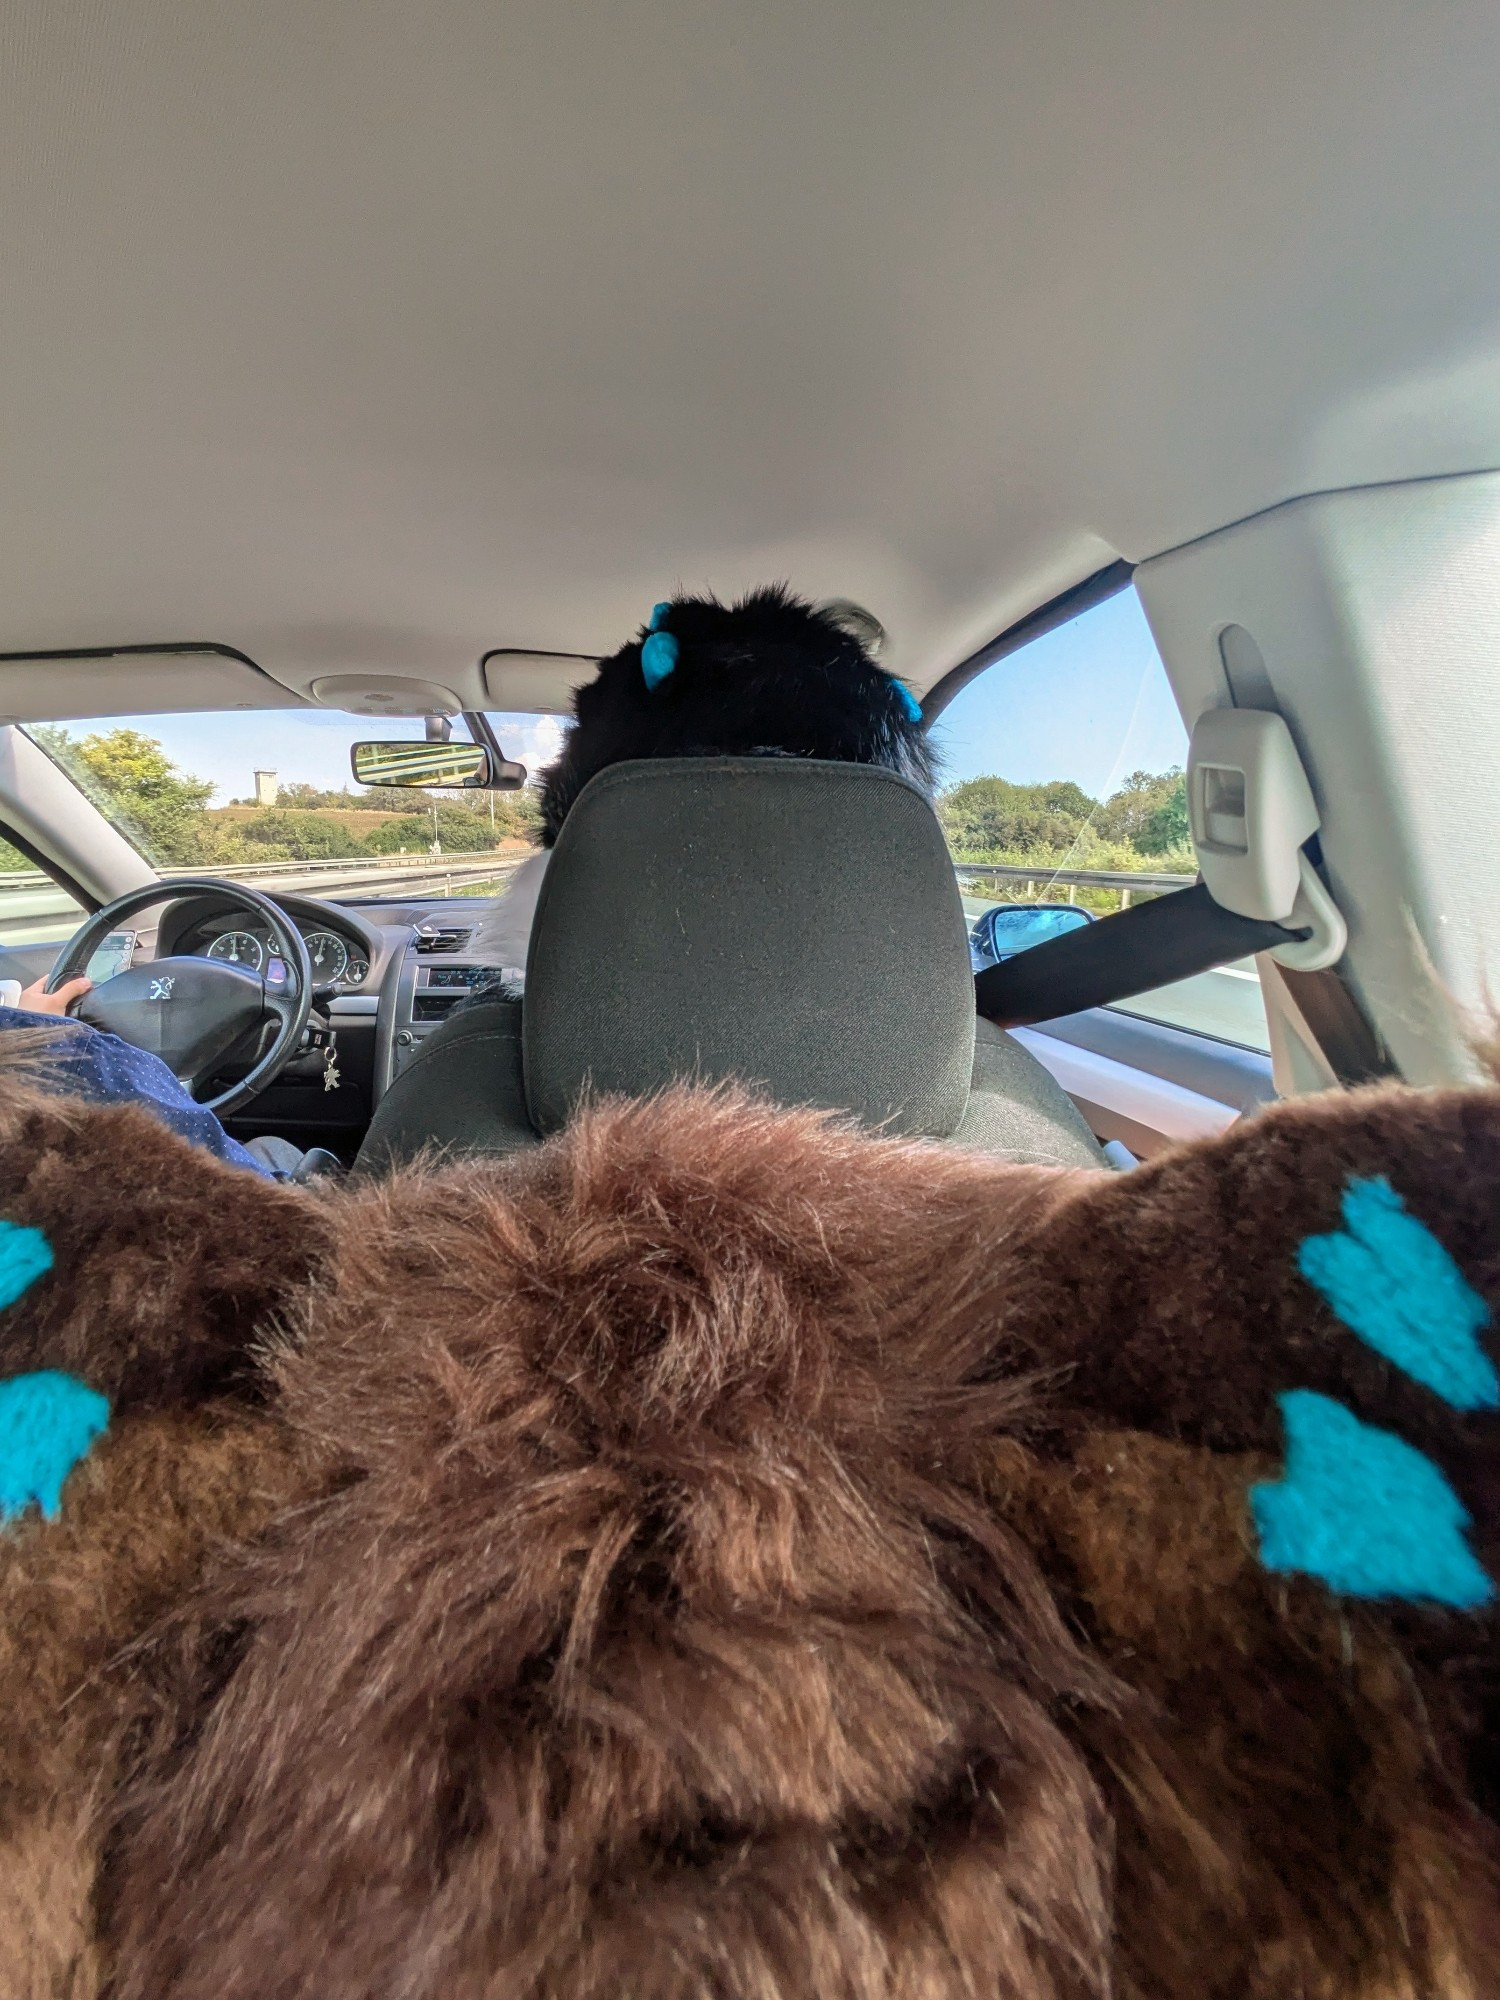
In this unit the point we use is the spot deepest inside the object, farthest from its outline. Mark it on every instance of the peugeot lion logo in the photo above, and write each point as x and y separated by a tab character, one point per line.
160	989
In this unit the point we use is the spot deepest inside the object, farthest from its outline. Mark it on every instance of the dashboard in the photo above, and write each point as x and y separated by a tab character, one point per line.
340	956
391	972
387	974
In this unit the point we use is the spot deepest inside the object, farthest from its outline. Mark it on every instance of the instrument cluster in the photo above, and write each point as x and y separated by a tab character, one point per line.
335	960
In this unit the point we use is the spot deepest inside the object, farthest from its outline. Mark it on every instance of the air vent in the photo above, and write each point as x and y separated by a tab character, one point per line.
435	939
433	1006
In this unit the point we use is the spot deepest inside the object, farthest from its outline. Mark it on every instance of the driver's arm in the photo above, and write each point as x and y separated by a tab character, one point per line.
107	1070
35	1000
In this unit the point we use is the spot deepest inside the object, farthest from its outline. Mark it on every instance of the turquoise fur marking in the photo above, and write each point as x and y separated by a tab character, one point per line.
25	1256
1391	1281
47	1423
909	702
1365	1512
658	658
658	616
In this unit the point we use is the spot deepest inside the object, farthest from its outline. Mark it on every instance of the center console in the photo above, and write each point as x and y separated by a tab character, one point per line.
439	989
424	994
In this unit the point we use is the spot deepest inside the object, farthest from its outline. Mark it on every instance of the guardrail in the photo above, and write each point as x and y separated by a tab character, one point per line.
1126	882
472	863
33	910
481	864
406	874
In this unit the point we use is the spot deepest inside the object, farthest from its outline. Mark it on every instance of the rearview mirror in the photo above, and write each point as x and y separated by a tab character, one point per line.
448	766
1006	928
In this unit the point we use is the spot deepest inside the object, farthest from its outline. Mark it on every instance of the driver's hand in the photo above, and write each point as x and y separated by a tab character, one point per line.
37	1000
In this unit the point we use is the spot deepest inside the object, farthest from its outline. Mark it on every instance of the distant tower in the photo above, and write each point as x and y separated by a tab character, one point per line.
265	788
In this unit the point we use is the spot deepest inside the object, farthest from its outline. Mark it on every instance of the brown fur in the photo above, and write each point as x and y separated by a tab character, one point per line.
1173	1295
166	1259
167	1267
721	1553
652	1626
46	1924
1285	1821
141	1515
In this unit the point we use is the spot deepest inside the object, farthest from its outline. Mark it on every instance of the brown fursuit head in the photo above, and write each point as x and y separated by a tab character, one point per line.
721	1553
166	1268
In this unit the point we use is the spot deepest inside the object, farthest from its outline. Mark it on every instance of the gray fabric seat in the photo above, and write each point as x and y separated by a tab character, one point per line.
463	1091
792	924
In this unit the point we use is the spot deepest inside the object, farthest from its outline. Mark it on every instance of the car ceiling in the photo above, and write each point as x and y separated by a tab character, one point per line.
365	338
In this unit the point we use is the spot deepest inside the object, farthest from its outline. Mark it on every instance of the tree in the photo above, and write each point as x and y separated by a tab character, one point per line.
467	822
1063	796
300	836
460	831
389	798
298	797
164	812
410	831
1168	826
991	815
135	784
1126	813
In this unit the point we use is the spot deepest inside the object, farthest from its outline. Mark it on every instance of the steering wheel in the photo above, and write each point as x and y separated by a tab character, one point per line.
191	1011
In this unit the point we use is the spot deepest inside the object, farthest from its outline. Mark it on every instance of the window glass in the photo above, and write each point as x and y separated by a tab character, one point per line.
1062	783
33	909
268	794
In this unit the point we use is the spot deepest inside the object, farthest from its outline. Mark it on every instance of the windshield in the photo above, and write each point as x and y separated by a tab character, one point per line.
269	793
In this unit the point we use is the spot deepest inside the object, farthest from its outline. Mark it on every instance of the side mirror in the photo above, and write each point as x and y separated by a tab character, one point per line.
448	766
1006	928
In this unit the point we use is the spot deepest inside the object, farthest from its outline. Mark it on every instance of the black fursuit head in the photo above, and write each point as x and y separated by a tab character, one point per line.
771	675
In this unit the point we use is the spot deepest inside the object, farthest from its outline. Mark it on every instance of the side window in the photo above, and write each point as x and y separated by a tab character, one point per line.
1062	784
33	910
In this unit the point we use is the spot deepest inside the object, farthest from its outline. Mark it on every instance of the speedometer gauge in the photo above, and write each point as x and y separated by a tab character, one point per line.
240	948
329	955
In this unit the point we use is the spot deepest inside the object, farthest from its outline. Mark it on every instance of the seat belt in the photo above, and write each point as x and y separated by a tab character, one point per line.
1253	820
1149	945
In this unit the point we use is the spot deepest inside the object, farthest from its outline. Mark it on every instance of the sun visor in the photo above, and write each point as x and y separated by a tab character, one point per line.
535	683
133	680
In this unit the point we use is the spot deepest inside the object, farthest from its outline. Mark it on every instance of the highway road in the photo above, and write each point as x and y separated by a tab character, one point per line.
33	910
1226	1003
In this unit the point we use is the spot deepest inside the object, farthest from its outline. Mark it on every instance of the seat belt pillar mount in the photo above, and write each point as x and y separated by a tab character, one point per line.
1252	813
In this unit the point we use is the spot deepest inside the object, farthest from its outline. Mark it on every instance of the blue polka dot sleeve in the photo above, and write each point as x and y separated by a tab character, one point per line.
108	1071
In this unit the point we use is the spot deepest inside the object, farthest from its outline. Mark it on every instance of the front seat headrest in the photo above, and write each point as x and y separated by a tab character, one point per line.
790	923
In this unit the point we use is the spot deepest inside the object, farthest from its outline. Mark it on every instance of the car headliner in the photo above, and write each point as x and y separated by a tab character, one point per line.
366	337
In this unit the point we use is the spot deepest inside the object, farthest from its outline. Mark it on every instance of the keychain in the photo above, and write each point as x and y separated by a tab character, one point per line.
330	1067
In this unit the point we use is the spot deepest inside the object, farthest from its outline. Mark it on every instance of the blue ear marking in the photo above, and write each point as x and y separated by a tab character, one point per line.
658	616
658	658
908	701
25	1256
47	1423
1365	1512
1393	1284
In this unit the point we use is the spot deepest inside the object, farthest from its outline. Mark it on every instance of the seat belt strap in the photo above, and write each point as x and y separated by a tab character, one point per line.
1171	937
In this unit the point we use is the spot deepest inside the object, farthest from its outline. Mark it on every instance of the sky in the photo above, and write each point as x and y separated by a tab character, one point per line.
302	746
1088	702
